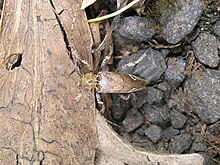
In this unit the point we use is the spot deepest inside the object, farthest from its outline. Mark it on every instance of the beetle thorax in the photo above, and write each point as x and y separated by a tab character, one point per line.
88	81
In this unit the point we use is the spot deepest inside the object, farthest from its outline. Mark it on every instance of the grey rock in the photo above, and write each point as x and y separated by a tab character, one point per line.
163	146
175	71
182	19
193	122
137	28
170	132
156	114
177	119
216	28
166	88
154	133
140	131
148	64
133	120
208	160
151	96
203	93
215	129
198	147
180	143
120	107
141	141
206	51
218	44
142	97
165	52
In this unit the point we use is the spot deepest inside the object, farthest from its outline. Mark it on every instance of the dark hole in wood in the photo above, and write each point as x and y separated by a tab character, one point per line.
16	63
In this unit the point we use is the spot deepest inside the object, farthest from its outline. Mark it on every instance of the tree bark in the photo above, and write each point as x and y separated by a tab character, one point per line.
45	117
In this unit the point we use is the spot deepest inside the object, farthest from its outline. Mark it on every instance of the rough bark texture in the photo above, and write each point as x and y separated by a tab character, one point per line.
43	121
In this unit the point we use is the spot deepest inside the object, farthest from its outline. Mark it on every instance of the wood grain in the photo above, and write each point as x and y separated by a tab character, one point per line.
41	119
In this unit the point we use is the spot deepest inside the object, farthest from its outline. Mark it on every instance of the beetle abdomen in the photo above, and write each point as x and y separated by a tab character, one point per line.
110	82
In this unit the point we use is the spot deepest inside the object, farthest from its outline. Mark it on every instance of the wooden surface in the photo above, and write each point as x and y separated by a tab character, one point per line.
45	116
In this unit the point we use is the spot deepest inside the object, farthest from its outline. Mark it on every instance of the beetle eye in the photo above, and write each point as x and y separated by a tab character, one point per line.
98	87
98	77
88	81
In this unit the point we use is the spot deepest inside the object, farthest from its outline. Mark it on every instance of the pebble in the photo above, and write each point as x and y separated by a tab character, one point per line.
215	129
180	143
120	107
133	120
216	29
137	28
154	133
148	64
198	147
165	87
177	119
181	19
206	51
203	93
141	141
170	132
156	114
151	96
175	71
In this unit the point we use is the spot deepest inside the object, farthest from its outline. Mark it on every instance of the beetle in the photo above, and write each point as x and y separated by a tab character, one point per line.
110	82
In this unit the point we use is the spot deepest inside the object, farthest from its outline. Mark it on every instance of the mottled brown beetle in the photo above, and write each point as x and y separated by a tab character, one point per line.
105	81
110	82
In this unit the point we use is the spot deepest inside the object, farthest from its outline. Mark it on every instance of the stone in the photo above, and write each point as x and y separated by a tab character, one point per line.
136	28
215	128
154	133
119	108
177	119
180	143
202	91
133	120
206	51
175	71
148	64
216	28
199	147
158	115
151	96
181	19
170	132
166	88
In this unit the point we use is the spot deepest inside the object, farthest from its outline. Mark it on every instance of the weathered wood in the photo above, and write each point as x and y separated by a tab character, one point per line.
41	116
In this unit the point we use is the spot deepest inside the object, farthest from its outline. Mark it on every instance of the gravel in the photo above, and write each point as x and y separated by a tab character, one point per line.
156	114
133	120
148	64
206	51
177	52
203	92
151	96
175	71
177	119
137	28
154	133
181	19
216	28
170	132
180	143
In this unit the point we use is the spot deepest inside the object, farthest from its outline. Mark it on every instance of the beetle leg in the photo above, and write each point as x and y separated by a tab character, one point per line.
100	103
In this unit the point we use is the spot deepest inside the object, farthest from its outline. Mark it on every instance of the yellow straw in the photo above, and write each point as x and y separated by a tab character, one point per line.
115	13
